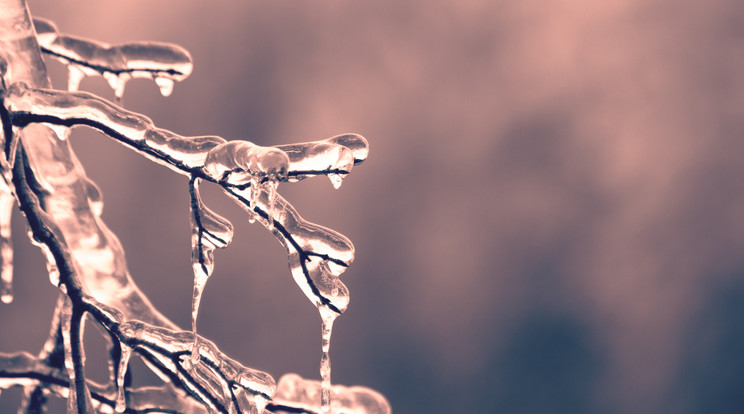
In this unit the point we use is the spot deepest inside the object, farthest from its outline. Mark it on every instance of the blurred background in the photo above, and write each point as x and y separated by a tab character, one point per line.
551	219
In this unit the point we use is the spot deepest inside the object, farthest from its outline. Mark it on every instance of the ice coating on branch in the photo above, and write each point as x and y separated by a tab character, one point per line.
298	393
209	231
164	62
147	399
68	108
317	255
248	173
233	162
72	339
356	143
6	244
241	162
216	375
13	365
25	370
334	157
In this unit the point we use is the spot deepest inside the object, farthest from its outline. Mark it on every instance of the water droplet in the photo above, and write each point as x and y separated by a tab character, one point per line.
165	85
336	180
6	295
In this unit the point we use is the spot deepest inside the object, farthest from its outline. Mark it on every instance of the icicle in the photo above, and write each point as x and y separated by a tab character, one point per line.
260	402
75	76
209	231
336	180
200	281
255	190
9	157
242	162
165	85
328	317
6	244
117	82
121	402
62	132
271	187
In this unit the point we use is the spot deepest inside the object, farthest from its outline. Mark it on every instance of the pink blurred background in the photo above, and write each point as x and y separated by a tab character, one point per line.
550	220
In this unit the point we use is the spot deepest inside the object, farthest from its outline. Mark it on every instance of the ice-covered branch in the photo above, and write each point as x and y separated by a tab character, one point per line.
247	172
163	348
23	369
85	260
293	394
164	62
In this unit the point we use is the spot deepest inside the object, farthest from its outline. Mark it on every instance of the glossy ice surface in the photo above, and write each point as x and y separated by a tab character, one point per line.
86	261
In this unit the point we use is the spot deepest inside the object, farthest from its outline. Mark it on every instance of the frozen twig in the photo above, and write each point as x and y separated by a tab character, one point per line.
85	260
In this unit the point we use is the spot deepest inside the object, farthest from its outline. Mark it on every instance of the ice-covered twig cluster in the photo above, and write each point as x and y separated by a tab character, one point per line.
163	62
84	259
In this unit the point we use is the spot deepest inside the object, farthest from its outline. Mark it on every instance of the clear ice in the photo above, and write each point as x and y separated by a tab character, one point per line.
327	317
333	157
6	244
216	375
298	393
121	372
209	231
248	173
163	62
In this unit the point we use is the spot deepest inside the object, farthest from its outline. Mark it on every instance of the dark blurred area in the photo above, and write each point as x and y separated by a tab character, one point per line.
551	219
